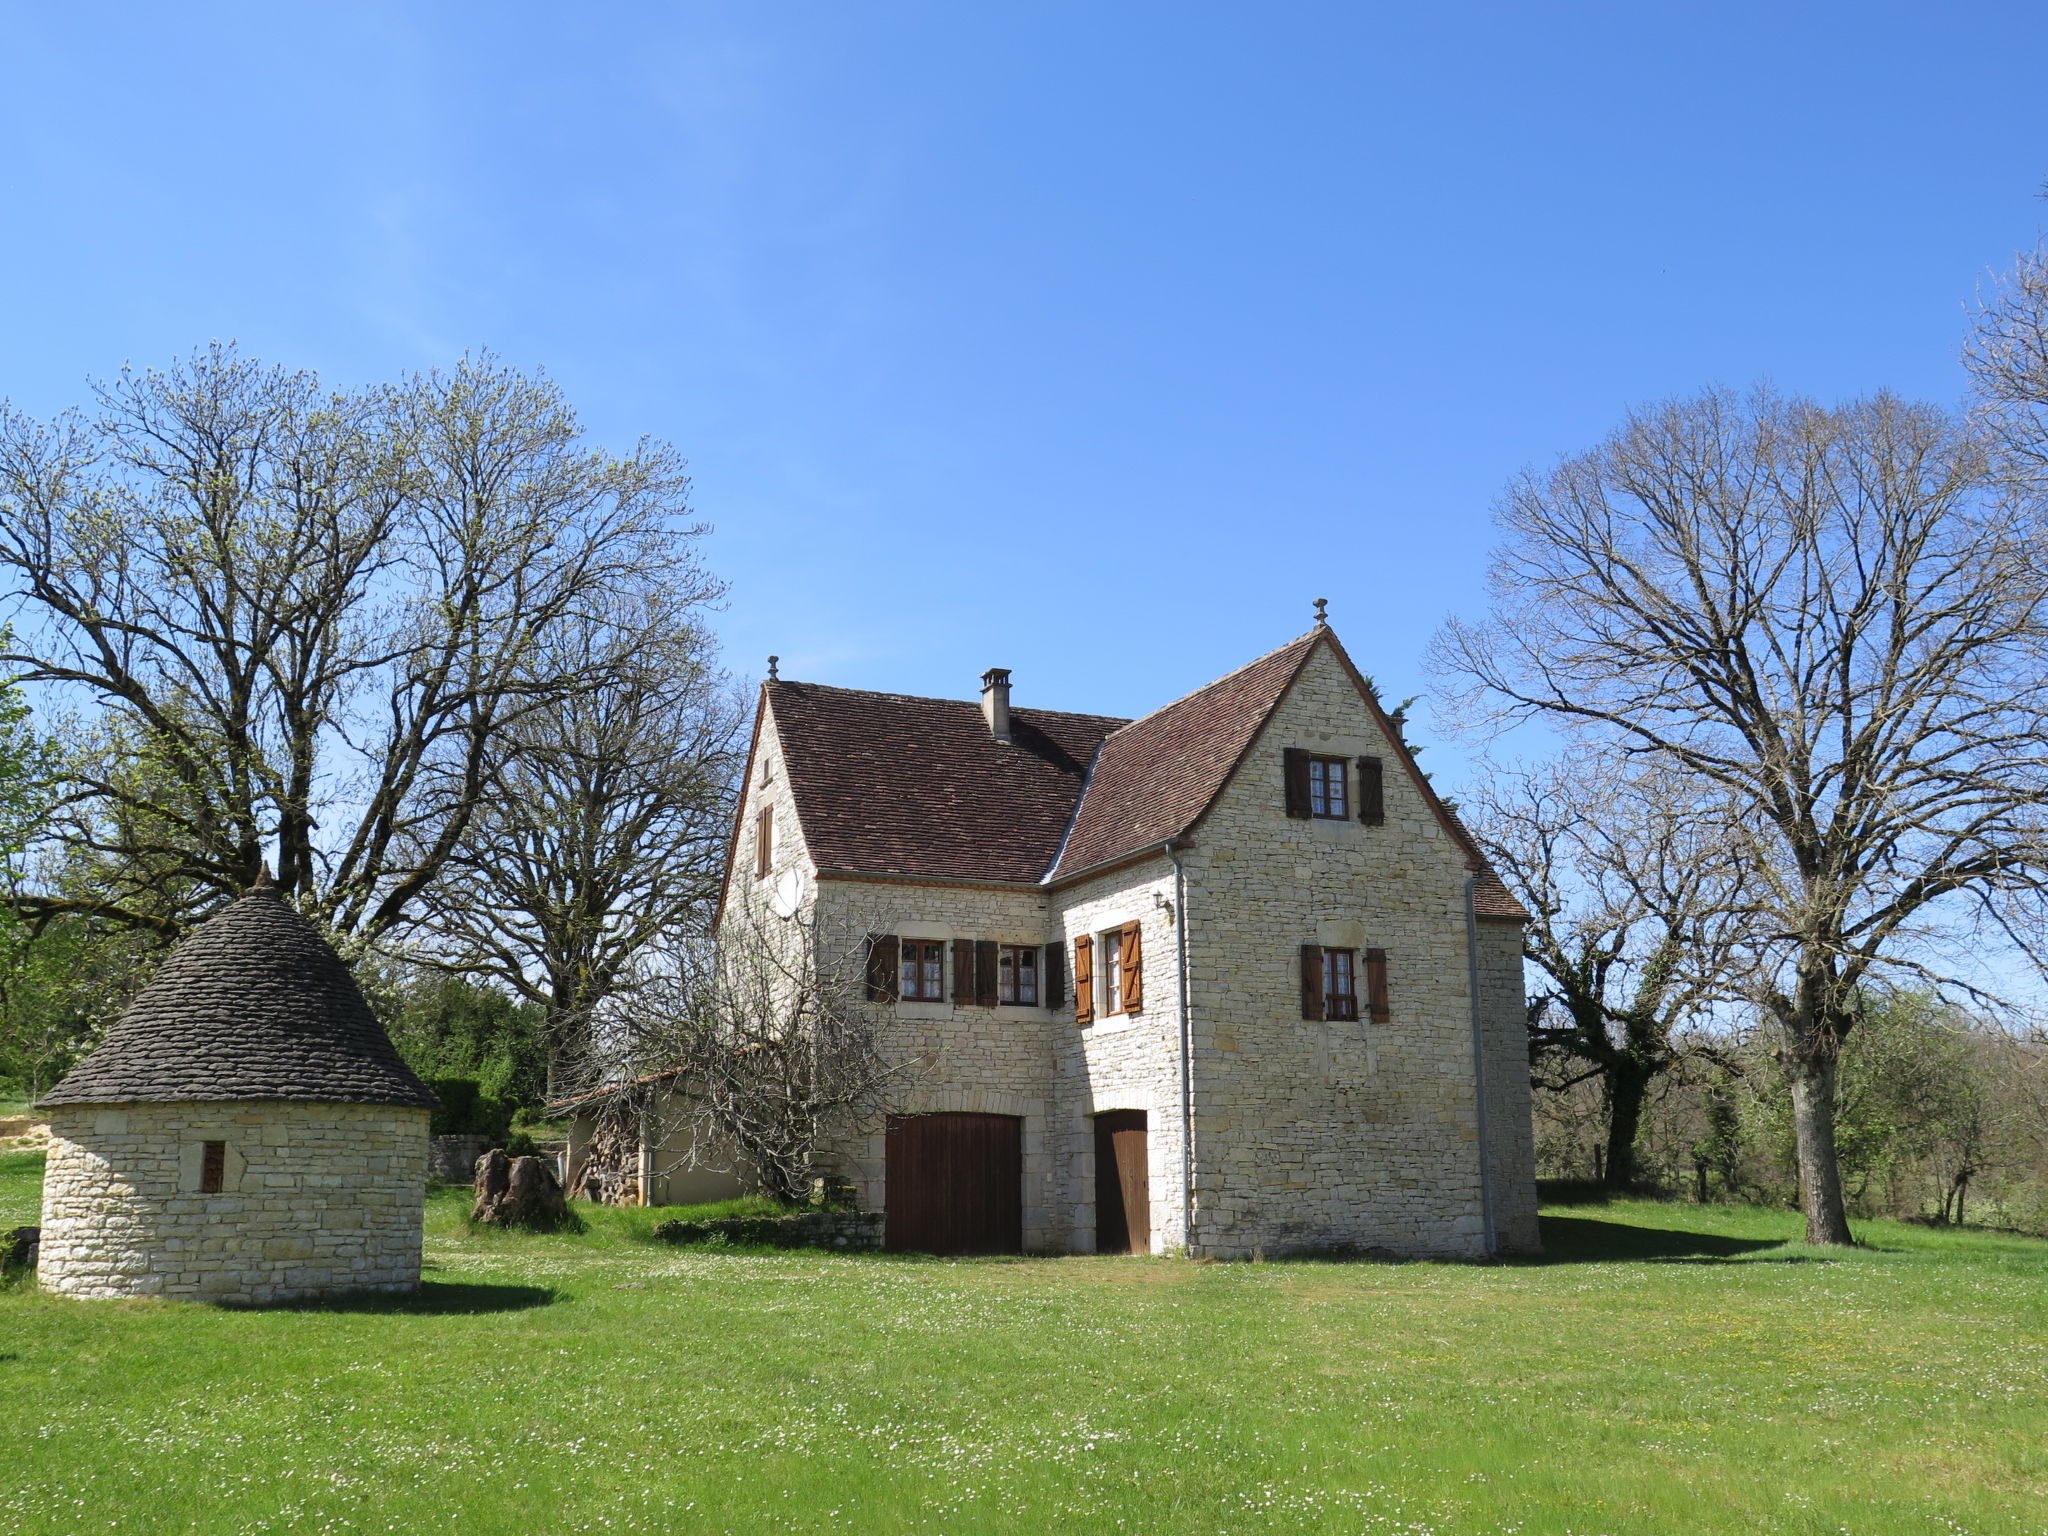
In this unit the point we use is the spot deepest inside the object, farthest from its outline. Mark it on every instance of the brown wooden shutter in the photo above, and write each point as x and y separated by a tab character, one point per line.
1084	980
963	972
985	973
1052	982
1294	771
764	841
1311	981
1376	1000
1372	792
1130	959
885	967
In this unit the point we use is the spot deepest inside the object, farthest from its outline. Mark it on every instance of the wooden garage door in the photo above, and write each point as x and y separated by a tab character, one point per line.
955	1183
1123	1184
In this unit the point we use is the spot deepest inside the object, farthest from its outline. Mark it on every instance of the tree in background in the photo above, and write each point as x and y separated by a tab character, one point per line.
603	826
1637	898
294	620
1835	621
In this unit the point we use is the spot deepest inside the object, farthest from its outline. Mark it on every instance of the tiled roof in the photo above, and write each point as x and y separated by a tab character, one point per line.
890	784
254	1004
1158	774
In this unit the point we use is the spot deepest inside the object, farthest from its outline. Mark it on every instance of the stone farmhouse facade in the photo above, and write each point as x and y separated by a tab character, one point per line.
1229	979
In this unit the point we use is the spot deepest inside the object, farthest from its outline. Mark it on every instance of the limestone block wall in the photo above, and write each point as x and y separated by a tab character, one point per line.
1309	1133
1510	1135
1124	1060
965	1059
316	1199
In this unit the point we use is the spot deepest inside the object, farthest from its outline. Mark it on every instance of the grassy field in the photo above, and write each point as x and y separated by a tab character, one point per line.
1666	1368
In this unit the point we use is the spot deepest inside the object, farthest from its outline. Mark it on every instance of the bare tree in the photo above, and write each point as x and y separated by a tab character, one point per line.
1637	887
770	1039
2008	358
310	613
1833	618
603	825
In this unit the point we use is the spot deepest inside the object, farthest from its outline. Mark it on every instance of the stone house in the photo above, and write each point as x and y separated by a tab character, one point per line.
1226	979
244	1133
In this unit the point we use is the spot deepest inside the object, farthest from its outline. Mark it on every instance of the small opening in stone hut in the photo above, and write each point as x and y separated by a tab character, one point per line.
213	1168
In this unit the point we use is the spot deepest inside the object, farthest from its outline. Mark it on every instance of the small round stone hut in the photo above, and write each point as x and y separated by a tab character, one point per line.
245	1132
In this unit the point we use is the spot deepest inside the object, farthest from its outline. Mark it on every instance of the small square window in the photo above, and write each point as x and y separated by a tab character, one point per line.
1017	975
1329	788
924	971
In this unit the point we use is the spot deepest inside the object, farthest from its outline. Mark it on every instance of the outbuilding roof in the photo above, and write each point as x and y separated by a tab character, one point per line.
253	1004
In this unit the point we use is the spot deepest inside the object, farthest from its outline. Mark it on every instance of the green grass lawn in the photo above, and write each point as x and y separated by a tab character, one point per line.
1668	1368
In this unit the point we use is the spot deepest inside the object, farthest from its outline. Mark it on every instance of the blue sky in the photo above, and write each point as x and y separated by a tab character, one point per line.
1089	340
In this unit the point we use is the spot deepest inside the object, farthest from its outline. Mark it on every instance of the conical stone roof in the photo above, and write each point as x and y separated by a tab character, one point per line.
253	1004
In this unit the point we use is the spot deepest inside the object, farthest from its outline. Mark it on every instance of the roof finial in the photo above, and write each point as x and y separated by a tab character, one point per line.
1322	615
773	675
263	882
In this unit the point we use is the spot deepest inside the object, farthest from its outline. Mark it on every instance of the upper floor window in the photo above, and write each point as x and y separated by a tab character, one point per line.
1017	975
1334	788
1329	791
1330	984
923	977
764	841
1109	973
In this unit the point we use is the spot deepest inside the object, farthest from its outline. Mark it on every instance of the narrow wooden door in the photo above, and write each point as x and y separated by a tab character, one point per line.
1123	1184
955	1183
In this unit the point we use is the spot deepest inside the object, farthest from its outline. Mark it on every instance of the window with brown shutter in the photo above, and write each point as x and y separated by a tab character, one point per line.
1294	775
1329	789
1376	999
1131	962
1340	985
1017	975
764	841
213	1168
884	954
1372	792
963	973
924	971
1329	984
1084	980
985	973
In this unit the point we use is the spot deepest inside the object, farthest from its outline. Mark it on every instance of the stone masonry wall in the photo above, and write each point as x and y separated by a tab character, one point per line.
993	1061
316	1199
1511	1137
1123	1060
1312	1134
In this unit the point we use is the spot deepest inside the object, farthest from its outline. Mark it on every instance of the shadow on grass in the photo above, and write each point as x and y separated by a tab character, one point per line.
1584	1240
435	1298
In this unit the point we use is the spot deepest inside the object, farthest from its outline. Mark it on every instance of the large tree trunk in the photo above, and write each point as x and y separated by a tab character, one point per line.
1627	1087
1812	1071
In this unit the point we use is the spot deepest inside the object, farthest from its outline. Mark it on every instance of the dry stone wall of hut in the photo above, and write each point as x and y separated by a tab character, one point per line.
124	1213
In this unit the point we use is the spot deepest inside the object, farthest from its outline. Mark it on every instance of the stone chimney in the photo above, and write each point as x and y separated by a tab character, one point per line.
995	702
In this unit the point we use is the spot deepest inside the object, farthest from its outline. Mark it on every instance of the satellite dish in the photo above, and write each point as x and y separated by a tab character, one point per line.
789	893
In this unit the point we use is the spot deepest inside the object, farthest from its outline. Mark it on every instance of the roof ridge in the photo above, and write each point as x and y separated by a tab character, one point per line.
1217	682
928	698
